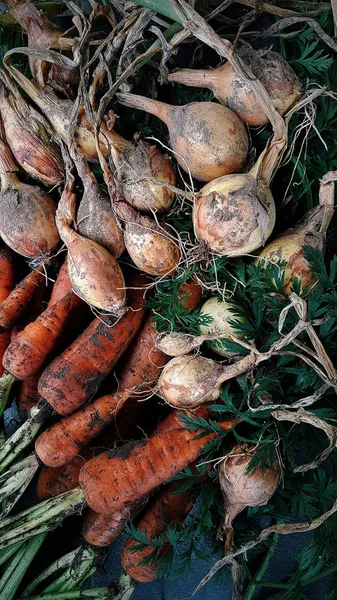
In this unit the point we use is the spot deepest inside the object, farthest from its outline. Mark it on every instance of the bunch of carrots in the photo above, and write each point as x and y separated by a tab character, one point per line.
79	348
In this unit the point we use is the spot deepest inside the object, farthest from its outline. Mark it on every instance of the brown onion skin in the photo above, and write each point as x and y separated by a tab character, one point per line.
27	221
233	91
234	215
96	221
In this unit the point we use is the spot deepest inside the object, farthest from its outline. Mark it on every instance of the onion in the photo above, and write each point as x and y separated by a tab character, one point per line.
94	273
231	89
27	215
95	218
189	381
135	162
288	247
150	248
221	313
235	214
208	139
29	136
44	34
241	489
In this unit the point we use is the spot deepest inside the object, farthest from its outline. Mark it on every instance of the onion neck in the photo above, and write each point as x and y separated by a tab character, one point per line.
154	107
237	368
203	78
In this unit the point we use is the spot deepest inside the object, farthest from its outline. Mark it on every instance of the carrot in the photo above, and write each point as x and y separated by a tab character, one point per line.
72	378
27	353
190	293
102	530
117	478
167	506
62	284
7	281
13	306
27	394
58	444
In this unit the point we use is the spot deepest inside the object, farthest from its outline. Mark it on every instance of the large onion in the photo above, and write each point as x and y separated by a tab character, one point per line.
232	90
208	140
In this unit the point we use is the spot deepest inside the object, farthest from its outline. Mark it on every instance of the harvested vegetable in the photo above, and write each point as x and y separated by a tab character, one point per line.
13	306
208	140
7	281
232	90
222	312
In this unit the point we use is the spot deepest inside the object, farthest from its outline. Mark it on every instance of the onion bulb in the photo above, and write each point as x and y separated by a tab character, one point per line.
221	313
44	34
235	214
231	89
29	136
95	275
95	217
288	247
150	248
241	489
189	381
208	139
27	215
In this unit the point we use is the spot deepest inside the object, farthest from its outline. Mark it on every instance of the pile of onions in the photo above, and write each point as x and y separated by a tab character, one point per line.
234	215
152	250
137	164
27	215
241	489
221	312
208	139
43	34
95	275
29	136
95	217
231	89
311	231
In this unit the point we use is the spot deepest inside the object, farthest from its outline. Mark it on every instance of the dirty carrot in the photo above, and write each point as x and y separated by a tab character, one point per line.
7	281
102	530
13	306
58	444
73	377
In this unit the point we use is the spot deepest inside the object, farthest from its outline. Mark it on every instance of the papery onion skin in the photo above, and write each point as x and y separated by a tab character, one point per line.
27	220
288	248
222	313
176	344
189	381
136	163
234	215
242	489
232	90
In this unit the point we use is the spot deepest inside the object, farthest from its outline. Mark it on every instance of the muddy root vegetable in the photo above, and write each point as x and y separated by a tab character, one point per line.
101	530
208	139
14	305
189	381
29	136
113	479
95	275
148	244
311	231
241	489
44	34
7	282
27	216
231	89
95	218
222	312
234	215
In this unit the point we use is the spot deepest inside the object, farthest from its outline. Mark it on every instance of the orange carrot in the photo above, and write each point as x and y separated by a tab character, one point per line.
72	378
7	281
58	444
167	506
122	476
102	530
191	294
61	286
54	481
13	306
28	352
27	395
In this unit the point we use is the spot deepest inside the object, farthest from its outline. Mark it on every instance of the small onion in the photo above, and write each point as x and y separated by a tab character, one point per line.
149	247
221	313
94	273
241	489
231	89
234	215
208	139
